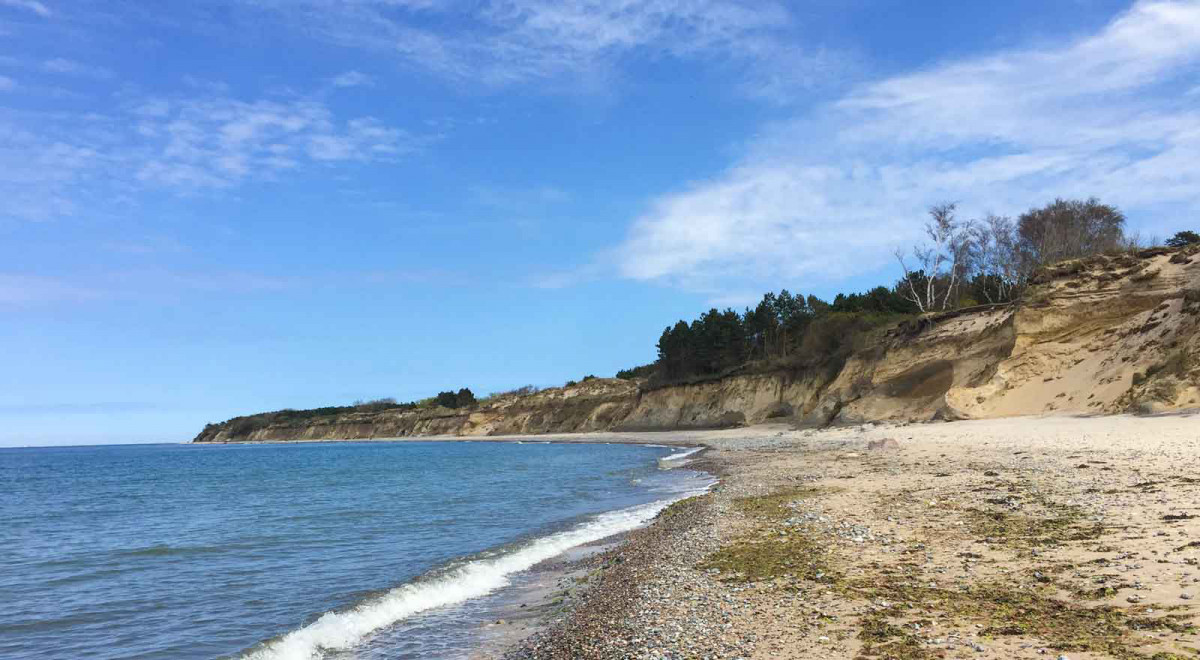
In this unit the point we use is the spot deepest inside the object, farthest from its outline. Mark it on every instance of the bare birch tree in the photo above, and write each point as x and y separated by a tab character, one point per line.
942	263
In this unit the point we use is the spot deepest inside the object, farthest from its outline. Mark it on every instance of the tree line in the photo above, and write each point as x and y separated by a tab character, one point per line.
961	263
990	260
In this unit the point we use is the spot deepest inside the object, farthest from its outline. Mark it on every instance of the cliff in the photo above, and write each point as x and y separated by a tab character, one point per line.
1099	335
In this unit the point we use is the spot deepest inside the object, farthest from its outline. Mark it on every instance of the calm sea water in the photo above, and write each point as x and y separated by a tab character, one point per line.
335	550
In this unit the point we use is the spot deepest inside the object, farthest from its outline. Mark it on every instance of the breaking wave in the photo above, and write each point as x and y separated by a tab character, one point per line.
342	630
679	456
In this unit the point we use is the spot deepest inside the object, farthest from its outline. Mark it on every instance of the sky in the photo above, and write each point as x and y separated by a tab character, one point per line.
218	207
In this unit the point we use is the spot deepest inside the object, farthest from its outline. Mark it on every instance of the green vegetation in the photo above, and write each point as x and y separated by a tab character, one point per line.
463	398
964	263
774	507
643	371
524	390
573	383
1003	610
783	554
903	602
781	331
776	552
247	424
1183	238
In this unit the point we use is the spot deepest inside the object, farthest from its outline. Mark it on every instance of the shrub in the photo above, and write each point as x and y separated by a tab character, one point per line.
643	371
463	398
1183	238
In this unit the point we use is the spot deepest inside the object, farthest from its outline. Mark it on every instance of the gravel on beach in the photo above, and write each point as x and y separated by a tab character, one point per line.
1019	538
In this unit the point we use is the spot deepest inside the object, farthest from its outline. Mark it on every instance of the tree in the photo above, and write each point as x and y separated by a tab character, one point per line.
463	398
1069	229
1183	238
1000	267
761	327
943	261
674	350
643	371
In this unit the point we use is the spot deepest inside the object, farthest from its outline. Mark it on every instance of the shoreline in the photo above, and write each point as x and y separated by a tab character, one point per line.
648	438
903	541
1012	538
502	584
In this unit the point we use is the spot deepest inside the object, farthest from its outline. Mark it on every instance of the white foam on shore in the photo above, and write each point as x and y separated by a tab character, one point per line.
678	456
338	631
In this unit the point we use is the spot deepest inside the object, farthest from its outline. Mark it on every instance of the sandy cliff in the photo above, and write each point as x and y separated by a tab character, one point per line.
1098	335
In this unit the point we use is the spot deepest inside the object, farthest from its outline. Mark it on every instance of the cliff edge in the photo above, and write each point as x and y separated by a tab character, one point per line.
1104	334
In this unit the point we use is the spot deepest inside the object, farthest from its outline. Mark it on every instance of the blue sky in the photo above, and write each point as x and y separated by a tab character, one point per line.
214	208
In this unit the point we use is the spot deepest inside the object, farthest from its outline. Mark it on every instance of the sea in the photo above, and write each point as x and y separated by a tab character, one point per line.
299	551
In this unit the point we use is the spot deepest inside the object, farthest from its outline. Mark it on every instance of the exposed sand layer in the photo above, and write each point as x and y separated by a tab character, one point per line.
1106	334
1012	538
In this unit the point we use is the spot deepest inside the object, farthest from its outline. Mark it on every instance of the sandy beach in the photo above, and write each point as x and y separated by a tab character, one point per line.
1026	537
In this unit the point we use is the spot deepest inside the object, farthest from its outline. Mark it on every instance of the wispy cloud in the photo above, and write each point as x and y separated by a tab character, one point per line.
34	6
7	84
144	246
27	289
73	68
519	200
53	163
352	79
831	193
171	284
504	42
195	144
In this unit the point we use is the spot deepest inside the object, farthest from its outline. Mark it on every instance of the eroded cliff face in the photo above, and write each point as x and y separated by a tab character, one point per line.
595	405
1099	335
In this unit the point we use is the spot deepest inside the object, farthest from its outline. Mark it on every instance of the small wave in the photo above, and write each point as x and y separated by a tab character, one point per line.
163	550
679	456
336	631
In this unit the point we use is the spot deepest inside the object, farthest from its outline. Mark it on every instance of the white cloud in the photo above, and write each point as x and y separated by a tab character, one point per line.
29	289
62	163
831	194
516	199
73	68
353	79
503	42
29	5
219	143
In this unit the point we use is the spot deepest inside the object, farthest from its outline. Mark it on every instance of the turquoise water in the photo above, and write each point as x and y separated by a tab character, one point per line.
324	550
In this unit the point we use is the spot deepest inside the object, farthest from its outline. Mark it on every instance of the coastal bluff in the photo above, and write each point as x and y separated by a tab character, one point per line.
1105	334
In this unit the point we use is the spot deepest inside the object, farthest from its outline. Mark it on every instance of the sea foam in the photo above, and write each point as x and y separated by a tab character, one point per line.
337	631
679	456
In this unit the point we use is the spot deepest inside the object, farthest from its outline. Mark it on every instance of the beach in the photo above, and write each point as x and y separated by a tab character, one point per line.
1024	537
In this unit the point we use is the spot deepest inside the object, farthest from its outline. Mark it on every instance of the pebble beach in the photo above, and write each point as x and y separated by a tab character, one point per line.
1032	537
